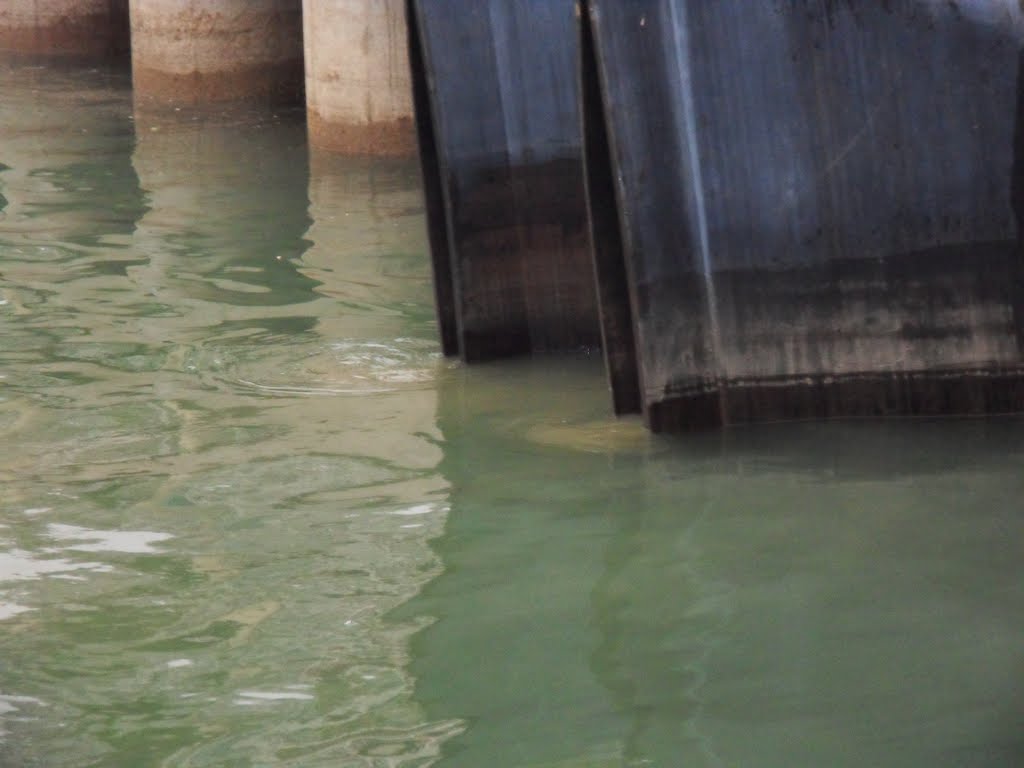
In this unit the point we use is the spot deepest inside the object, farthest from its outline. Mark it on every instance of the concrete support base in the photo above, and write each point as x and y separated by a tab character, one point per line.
67	28
395	138
196	52
358	86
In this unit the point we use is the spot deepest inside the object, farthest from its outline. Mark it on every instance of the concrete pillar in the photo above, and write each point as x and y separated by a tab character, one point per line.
87	28
358	87
194	52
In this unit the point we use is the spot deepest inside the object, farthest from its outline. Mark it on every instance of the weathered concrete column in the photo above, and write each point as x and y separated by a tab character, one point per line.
194	52
87	28
358	87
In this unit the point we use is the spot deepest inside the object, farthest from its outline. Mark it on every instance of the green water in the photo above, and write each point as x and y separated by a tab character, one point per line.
250	517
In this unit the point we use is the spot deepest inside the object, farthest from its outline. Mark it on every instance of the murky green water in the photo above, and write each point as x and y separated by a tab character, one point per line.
251	518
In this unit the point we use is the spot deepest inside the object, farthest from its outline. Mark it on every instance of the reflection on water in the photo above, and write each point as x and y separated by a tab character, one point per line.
249	517
215	477
786	595
205	244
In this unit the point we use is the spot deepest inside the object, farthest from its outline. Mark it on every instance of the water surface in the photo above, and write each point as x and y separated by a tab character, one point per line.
251	518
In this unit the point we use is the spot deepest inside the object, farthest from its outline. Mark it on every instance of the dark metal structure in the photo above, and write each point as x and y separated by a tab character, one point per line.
818	204
797	209
498	118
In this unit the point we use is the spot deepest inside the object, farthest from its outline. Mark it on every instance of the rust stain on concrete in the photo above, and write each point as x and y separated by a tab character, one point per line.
391	138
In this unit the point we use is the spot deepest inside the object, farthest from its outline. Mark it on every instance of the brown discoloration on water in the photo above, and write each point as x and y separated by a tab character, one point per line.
605	436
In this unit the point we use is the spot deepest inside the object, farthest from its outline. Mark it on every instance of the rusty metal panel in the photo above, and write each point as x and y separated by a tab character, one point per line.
819	203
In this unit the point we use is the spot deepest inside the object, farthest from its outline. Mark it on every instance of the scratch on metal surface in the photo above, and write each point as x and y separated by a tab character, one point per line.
867	127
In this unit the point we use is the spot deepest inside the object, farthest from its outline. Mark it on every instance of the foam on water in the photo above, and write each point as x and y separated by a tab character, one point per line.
131	542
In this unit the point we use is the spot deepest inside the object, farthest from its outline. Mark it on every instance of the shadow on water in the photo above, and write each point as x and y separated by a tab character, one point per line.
802	594
3	200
